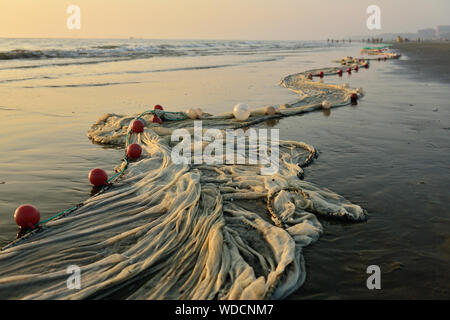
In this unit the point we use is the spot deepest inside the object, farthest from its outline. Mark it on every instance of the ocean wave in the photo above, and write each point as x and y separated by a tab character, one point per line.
63	64
79	85
188	68
20	54
108	47
54	49
59	76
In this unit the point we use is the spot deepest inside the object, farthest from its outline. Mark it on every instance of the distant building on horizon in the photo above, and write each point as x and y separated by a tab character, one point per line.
443	32
427	34
439	33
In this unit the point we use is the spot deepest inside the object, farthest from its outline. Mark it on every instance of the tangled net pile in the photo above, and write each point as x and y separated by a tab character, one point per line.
184	231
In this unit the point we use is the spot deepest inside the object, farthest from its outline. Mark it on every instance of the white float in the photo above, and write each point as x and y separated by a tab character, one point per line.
269	110
241	111
326	104
191	113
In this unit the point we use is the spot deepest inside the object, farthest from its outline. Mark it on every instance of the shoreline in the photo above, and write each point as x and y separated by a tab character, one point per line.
427	61
349	139
141	193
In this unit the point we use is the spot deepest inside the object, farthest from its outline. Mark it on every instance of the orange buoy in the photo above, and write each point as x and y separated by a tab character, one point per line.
156	119
321	74
137	126
26	216
134	151
98	177
158	107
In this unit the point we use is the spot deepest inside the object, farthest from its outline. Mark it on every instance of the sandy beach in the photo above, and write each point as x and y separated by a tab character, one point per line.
388	154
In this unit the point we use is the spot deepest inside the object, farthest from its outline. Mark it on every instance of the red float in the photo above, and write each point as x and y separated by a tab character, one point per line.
356	68
339	72
26	216
137	126
310	76
134	151
366	65
98	177
354	98
156	119
158	107
349	70
321	74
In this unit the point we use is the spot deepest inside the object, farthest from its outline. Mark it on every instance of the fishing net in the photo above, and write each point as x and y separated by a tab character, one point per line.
167	230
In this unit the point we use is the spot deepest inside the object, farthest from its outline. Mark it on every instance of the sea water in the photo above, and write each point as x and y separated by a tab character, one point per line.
388	154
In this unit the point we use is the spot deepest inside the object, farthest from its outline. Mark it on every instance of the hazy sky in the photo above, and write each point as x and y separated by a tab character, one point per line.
217	19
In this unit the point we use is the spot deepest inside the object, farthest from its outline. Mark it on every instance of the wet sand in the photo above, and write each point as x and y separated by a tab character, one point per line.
388	154
428	61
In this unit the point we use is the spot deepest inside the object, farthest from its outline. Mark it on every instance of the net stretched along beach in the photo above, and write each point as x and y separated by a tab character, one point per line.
186	231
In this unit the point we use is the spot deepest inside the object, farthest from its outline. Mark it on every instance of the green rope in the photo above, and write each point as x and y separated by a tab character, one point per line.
148	111
183	115
77	206
55	216
383	46
109	180
121	171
